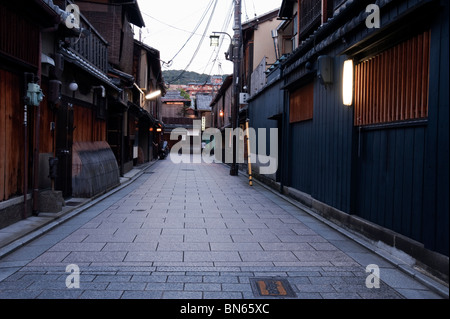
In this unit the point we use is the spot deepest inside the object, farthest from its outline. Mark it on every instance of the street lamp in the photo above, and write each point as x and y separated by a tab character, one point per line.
153	95
214	38
73	86
215	41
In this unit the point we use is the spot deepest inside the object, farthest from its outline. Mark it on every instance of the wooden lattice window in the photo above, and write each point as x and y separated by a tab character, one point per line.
310	12
393	86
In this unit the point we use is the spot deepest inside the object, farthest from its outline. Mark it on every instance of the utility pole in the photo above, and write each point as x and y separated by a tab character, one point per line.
236	80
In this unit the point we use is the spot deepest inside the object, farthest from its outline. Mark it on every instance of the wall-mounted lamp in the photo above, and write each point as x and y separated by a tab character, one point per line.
73	86
153	95
221	113
159	130
347	83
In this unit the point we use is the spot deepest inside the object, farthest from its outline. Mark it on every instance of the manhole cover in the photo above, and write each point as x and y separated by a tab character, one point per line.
271	287
188	170
149	172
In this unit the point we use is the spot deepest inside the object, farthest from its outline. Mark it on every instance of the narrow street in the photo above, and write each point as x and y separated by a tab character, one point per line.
192	231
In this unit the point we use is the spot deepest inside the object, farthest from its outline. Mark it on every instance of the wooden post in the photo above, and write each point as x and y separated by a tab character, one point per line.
250	177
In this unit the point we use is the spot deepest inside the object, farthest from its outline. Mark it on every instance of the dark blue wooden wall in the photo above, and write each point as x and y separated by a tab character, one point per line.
436	176
321	149
395	176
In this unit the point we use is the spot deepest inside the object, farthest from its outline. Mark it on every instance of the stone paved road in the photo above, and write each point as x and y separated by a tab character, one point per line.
191	231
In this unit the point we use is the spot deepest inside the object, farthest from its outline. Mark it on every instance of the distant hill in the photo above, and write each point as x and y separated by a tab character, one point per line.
187	77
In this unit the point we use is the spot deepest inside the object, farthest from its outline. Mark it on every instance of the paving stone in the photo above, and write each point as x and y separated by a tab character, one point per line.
19	294
211	256
184	279
165	286
221	279
149	278
60	294
126	286
154	256
180	234
268	256
236	287
202	287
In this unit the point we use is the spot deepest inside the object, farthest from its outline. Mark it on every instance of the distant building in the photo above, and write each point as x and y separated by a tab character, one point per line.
176	111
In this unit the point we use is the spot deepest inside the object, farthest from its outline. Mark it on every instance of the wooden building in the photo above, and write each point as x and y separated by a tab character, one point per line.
22	25
176	112
136	70
86	80
149	80
377	163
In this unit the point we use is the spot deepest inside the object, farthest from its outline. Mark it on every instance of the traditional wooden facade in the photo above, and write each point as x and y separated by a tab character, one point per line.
86	163
64	146
22	25
149	80
176	112
136	70
380	164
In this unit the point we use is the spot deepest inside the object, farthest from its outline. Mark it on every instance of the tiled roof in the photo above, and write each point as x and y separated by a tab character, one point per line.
79	61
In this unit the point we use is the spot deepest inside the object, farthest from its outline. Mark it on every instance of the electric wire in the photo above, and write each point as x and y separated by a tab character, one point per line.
199	45
169	25
196	28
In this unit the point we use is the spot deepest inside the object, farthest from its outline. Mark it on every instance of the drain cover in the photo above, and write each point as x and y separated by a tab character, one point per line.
271	287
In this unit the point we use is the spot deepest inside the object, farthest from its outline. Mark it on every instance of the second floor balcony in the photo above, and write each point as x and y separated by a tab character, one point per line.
87	42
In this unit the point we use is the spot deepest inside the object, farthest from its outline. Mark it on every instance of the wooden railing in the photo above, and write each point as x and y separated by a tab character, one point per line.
19	38
91	46
310	14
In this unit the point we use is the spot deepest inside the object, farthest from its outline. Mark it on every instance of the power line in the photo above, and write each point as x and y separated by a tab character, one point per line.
199	45
196	28
169	25
225	26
